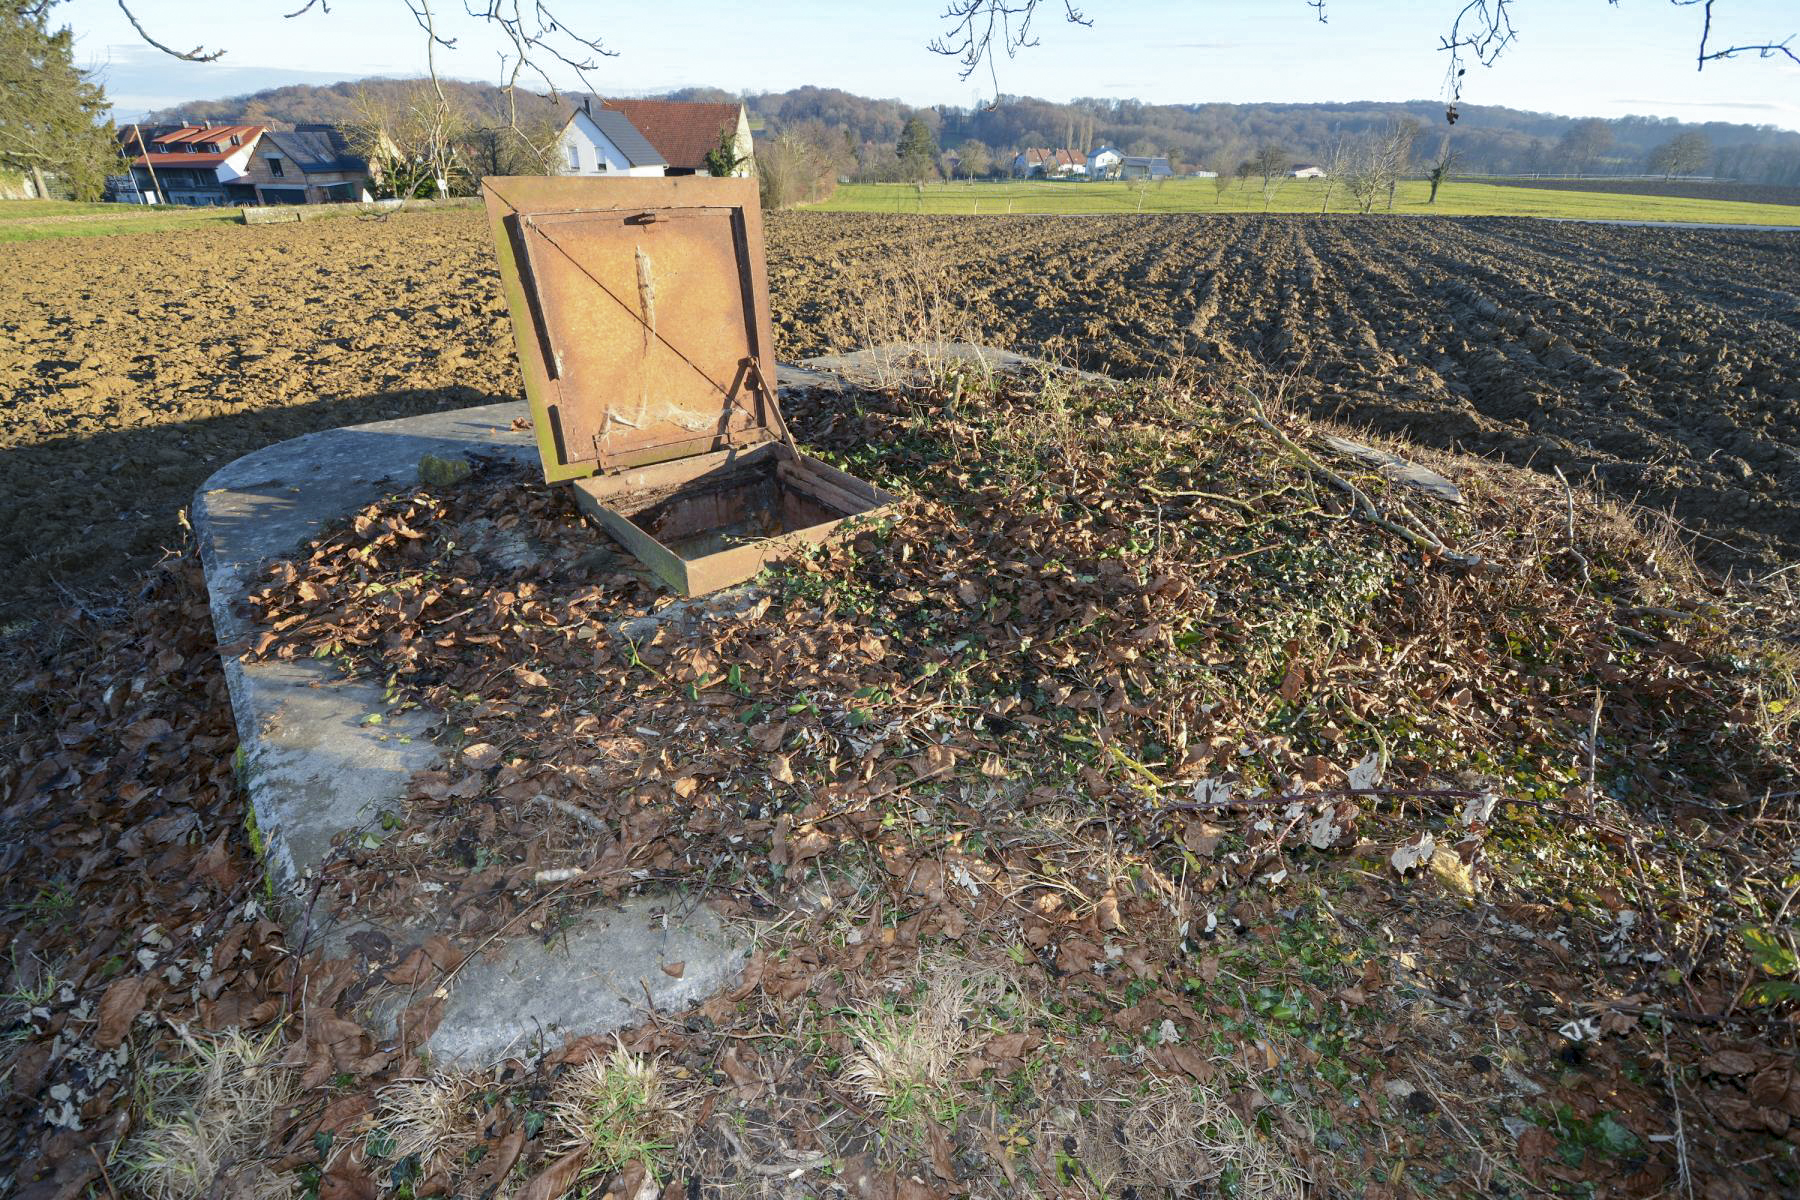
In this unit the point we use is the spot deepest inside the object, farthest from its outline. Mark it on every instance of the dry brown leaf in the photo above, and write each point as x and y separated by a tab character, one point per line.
481	755
123	1001
943	1158
556	1179
1728	1062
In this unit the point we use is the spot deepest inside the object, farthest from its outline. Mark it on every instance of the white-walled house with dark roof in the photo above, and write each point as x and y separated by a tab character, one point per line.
600	141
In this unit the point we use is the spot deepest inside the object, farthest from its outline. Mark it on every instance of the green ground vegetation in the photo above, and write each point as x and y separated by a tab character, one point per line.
29	220
1456	199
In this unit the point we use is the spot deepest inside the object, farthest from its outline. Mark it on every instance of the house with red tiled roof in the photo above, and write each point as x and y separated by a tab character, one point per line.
683	134
195	164
240	164
1051	164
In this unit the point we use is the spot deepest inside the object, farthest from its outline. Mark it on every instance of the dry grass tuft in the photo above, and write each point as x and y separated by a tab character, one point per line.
621	1108
1187	1138
430	1118
207	1122
905	1048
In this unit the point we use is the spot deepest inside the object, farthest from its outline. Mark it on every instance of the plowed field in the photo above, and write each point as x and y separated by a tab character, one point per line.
1663	363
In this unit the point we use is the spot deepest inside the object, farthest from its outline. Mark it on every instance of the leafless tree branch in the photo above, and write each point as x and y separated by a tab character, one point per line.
1770	49
973	25
197	54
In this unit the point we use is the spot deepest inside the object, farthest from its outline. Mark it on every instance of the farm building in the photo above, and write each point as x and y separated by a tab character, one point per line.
1103	163
603	142
1145	166
684	134
197	164
1307	171
1053	164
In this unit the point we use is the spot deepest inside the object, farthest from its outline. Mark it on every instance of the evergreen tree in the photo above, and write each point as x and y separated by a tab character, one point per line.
917	150
53	119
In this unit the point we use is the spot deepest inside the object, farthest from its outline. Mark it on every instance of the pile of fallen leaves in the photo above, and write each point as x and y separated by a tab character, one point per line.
1123	813
131	897
1118	646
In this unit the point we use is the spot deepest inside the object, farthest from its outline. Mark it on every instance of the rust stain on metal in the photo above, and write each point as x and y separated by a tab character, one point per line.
641	311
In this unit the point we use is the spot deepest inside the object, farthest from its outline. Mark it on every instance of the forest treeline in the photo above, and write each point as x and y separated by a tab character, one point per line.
863	133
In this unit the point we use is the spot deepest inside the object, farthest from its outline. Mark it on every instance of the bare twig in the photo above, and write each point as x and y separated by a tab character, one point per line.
1569	525
1770	49
197	54
974	23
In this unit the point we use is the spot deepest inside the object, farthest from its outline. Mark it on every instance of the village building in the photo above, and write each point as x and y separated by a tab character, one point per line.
199	165
1104	163
310	164
684	134
1051	164
239	164
1307	171
1145	166
601	141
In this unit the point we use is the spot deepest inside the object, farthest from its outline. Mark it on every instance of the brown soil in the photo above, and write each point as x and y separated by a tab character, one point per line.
136	366
1665	363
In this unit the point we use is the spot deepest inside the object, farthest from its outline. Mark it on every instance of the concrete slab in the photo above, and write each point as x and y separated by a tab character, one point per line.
314	768
1398	469
900	362
592	978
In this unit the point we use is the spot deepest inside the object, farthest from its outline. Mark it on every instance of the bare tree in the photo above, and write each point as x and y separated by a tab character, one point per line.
1683	154
1394	153
1362	173
1271	162
1584	142
974	158
1335	162
1223	174
801	165
1441	167
414	144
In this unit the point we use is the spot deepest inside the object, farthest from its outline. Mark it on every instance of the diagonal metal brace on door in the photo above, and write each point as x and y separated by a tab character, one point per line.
637	316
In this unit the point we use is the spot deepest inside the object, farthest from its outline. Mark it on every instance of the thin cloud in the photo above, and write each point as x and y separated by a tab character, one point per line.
1757	105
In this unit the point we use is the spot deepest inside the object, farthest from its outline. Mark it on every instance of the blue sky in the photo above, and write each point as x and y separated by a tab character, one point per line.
1581	57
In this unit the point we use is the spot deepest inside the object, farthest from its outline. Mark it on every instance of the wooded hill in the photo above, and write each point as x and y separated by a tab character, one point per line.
1490	139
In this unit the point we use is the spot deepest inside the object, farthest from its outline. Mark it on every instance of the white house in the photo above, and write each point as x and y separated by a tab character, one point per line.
601	141
1307	171
1104	163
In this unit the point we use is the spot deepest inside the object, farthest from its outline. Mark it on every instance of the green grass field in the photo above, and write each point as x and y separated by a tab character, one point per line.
1456	199
30	220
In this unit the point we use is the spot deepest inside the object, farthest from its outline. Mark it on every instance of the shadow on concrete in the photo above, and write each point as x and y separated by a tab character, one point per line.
86	515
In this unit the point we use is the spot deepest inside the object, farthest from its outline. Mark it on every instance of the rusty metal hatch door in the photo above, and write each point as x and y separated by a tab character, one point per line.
647	337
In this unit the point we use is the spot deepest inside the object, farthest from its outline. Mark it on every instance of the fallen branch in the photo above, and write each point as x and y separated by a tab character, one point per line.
1424	541
573	811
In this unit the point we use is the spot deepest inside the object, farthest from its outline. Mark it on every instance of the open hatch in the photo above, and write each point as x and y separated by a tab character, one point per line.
641	310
